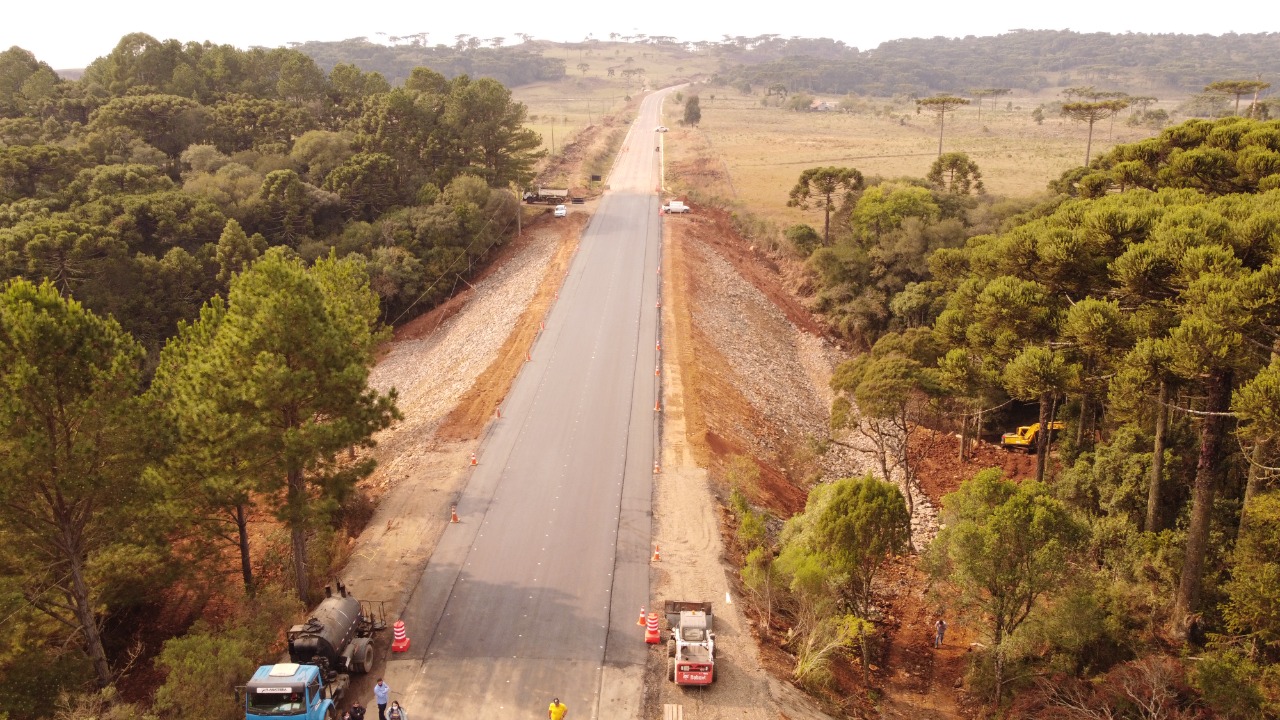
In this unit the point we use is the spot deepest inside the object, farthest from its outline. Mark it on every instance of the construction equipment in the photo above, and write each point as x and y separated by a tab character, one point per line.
548	196
1025	437
336	641
692	647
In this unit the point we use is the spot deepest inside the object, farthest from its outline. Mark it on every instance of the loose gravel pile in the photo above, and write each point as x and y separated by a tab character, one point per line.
783	373
779	369
431	373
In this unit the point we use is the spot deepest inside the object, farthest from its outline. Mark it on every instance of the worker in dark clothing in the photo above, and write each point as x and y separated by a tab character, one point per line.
356	712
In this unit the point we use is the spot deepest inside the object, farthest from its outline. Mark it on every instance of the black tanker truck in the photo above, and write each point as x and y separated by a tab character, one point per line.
336	641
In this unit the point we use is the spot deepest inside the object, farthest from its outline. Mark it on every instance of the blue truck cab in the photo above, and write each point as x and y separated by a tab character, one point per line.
288	690
336	641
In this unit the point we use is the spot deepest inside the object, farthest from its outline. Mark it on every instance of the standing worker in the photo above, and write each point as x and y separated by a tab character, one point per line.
557	710
939	630
381	692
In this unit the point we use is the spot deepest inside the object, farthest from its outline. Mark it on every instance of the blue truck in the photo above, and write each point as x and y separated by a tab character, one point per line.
334	643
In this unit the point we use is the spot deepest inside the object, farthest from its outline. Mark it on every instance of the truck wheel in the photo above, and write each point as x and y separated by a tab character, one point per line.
361	655
671	648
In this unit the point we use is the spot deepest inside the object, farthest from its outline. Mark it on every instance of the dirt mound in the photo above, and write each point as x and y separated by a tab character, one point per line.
942	471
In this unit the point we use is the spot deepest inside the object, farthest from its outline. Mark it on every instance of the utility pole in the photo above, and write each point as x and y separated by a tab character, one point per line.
519	195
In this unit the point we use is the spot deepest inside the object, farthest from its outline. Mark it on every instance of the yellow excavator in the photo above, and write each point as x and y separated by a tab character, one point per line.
1025	437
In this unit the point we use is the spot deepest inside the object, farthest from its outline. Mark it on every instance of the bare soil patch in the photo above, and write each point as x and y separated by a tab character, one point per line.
942	471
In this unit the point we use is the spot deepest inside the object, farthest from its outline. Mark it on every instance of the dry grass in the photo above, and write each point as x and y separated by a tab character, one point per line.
561	109
755	153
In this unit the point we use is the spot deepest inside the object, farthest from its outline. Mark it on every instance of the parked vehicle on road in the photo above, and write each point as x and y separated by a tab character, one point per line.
675	206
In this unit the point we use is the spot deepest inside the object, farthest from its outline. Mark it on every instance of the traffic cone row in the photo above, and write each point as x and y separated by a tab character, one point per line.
656	556
656	469
453	513
473	459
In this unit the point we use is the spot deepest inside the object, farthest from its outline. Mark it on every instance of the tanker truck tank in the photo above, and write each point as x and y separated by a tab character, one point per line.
337	636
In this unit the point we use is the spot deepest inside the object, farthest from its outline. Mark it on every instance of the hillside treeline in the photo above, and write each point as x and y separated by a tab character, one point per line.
1140	305
142	187
1025	60
198	246
511	65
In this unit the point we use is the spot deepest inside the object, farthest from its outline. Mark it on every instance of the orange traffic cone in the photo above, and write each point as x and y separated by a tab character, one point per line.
657	345
657	406
656	469
641	620
453	513
542	325
657	369
473	459
401	641
528	355
499	412
658	304
656	556
652	635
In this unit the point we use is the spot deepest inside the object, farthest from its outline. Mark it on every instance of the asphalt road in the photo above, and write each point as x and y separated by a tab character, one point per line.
535	593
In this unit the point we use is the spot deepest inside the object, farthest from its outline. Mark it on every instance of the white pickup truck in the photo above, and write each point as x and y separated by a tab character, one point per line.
675	206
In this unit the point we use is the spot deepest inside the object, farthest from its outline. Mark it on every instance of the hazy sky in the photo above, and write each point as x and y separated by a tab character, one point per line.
71	33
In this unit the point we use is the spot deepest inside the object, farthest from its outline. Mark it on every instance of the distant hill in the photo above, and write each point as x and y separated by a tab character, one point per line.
510	65
1021	59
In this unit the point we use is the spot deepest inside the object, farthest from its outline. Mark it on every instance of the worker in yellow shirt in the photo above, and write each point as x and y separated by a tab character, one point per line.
557	710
